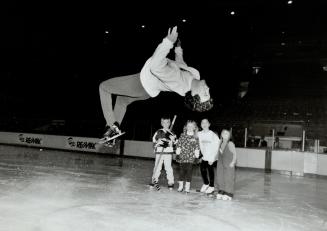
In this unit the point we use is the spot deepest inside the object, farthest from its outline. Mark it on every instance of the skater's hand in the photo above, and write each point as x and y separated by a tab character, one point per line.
178	151
232	165
179	43
197	153
172	138
172	34
159	142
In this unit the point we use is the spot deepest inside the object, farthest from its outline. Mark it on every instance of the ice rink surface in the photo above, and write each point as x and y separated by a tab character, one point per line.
53	190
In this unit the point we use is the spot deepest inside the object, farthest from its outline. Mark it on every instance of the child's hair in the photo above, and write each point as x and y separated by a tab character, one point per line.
205	118
196	129
194	103
164	117
231	139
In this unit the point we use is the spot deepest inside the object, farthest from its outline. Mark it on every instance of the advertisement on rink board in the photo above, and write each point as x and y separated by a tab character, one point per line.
85	144
30	139
81	143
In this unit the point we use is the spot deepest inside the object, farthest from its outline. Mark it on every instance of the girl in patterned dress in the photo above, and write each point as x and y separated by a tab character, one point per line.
188	148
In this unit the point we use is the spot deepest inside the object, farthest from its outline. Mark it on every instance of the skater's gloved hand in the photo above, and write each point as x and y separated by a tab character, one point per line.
172	138
197	153
172	34
159	142
178	151
232	165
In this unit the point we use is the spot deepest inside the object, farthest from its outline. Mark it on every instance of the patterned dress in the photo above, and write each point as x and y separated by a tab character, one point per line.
188	144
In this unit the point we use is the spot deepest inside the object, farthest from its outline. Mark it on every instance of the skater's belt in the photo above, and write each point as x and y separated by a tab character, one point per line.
162	149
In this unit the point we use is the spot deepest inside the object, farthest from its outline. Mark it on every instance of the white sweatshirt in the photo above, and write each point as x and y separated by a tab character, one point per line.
162	74
209	145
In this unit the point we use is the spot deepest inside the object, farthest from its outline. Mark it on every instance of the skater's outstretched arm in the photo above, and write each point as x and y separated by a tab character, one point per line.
159	58
179	53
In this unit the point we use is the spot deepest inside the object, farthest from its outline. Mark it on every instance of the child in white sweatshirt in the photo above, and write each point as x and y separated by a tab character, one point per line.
209	145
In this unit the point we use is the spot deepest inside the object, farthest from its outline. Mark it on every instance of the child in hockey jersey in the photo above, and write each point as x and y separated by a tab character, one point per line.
163	141
187	150
209	145
226	167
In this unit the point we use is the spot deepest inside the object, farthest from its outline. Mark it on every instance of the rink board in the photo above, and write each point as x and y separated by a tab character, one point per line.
81	144
293	162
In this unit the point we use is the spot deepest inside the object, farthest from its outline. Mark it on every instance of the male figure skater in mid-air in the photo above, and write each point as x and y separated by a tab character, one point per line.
158	74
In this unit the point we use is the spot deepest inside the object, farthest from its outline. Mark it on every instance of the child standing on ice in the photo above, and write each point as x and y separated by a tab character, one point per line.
163	141
188	149
209	145
226	167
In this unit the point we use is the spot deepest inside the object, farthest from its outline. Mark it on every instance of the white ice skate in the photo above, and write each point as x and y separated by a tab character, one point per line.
219	196
187	187
154	185
210	190
180	186
204	188
226	198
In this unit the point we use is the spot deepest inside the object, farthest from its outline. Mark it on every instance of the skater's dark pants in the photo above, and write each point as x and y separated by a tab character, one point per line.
185	172
206	169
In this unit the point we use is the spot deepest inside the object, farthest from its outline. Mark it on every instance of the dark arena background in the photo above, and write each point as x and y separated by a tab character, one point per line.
264	61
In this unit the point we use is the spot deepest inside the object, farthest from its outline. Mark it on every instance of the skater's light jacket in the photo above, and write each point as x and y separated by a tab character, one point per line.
209	145
159	148
162	74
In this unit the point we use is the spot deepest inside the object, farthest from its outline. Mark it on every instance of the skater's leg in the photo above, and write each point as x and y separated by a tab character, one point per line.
129	86
157	168
121	105
220	179
182	172
229	175
106	104
169	170
211	172
188	172
220	175
180	186
187	186
203	169
211	186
